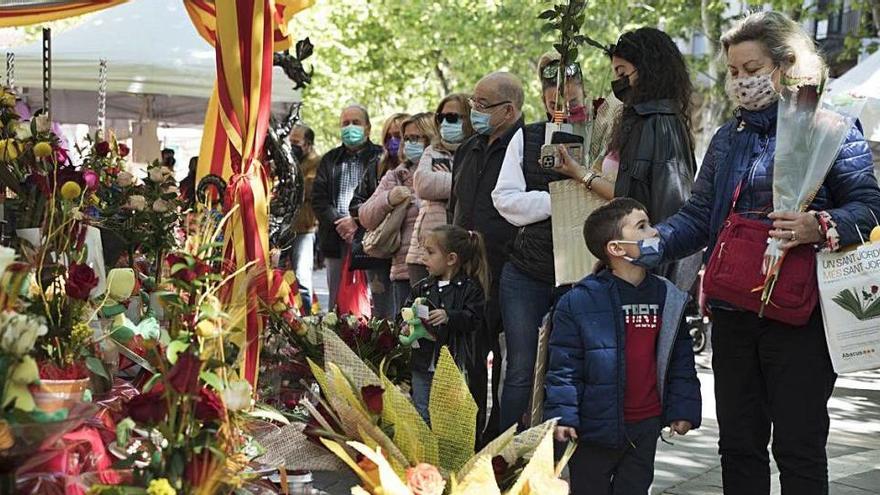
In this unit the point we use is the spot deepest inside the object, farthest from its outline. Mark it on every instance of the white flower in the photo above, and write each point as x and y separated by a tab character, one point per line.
137	202
159	174
160	206
124	179
43	123
20	332
7	257
237	395
23	131
172	189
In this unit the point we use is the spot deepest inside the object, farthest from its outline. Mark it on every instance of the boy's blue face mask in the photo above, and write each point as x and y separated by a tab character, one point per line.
649	252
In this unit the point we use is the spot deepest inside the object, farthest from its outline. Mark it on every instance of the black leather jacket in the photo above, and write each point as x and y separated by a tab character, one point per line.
325	190
657	168
464	302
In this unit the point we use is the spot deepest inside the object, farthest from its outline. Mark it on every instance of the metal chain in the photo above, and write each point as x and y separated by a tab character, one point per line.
102	95
10	70
47	72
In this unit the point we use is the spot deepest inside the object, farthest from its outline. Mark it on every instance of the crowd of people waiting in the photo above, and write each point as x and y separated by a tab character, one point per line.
476	241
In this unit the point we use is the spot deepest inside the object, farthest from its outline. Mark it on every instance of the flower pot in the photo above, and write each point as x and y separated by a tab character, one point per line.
52	395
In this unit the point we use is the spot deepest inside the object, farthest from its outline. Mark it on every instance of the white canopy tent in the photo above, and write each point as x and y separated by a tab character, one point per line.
864	80
159	68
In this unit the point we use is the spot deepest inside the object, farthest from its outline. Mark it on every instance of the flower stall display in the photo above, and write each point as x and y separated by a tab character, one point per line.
362	415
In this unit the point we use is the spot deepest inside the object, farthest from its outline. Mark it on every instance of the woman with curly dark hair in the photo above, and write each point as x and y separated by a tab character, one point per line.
651	149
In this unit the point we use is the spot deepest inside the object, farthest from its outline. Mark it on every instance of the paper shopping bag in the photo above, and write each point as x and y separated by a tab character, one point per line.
849	292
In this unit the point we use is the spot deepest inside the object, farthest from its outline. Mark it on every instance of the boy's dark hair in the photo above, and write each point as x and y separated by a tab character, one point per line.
605	224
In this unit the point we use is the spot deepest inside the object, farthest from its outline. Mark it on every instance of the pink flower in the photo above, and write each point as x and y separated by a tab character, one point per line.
91	180
425	479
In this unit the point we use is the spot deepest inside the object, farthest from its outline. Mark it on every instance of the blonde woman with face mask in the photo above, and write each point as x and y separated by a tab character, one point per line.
770	375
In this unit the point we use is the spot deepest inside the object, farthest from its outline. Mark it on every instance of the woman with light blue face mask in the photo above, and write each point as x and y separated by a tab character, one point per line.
396	188
433	175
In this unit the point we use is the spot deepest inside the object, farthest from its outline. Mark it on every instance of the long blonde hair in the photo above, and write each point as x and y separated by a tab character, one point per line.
388	161
465	104
786	42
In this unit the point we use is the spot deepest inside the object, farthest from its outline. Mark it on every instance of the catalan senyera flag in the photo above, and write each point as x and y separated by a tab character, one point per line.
24	15
244	34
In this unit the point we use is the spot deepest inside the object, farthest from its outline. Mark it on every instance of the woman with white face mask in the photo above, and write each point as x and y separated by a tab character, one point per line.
433	177
770	375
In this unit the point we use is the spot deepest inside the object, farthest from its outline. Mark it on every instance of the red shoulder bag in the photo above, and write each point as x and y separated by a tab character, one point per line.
734	273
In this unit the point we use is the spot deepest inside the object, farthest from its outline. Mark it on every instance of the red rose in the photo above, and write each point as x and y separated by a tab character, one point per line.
81	280
149	408
209	406
123	150
386	342
184	375
364	332
102	148
347	335
372	395
499	466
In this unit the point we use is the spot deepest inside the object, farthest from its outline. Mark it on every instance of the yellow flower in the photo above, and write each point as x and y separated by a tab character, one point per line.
80	333
875	234
8	149
6	438
208	329
160	486
42	149
7	99
70	190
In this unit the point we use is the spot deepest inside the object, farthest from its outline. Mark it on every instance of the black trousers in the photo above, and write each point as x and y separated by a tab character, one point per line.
769	373
597	470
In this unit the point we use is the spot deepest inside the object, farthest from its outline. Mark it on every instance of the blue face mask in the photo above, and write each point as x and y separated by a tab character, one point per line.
413	151
650	255
452	133
353	135
480	122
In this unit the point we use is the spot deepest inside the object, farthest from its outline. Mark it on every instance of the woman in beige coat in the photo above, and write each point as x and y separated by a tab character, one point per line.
433	177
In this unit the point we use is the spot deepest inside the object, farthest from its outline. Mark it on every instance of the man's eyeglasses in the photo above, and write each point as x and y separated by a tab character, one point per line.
486	106
452	118
552	69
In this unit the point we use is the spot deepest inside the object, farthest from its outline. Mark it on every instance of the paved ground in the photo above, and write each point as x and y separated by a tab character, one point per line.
691	466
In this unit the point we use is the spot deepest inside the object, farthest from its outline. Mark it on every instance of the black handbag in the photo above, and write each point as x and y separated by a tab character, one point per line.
361	260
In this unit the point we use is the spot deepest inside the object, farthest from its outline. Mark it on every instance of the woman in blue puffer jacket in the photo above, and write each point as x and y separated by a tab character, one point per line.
768	372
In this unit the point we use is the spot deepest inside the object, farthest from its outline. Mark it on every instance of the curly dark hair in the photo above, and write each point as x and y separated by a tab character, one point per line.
662	74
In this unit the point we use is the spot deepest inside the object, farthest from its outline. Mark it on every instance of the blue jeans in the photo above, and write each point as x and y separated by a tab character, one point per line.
302	258
421	392
524	302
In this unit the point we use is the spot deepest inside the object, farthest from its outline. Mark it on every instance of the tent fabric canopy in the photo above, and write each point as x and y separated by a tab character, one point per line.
152	49
863	80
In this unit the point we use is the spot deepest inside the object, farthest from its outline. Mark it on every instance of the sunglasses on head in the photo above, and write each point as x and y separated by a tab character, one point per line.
452	118
550	70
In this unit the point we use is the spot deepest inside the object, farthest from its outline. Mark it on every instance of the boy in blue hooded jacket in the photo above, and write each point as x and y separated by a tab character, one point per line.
621	365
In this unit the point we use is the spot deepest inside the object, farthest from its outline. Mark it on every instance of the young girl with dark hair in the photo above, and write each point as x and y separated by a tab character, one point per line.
454	293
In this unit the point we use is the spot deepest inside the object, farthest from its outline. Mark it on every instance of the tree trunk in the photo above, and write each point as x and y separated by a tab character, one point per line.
441	76
713	102
875	13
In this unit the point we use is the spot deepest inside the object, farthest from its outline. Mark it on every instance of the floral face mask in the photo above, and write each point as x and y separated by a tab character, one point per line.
752	93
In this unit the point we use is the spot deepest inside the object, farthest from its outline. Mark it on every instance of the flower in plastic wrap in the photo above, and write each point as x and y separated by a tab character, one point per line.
237	395
8	149
160	486
17	390
70	190
43	149
124	179
425	479
330	320
81	279
161	206
20	332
